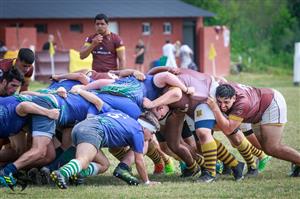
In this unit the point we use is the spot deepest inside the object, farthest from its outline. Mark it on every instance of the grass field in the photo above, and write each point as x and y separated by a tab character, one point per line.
272	183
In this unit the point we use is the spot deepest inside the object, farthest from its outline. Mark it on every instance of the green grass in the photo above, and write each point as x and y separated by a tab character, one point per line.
273	183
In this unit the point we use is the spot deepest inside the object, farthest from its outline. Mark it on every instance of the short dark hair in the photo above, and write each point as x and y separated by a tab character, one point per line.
12	74
26	55
150	118
225	90
102	17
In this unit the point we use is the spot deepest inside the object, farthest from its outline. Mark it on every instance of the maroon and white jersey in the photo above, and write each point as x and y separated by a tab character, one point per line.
201	82
105	54
250	103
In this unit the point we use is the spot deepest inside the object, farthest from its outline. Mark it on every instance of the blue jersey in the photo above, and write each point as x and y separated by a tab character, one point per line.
67	84
10	122
134	89
120	130
75	109
150	90
121	103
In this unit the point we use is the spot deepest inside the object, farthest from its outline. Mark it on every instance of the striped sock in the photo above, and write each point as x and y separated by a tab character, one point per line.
92	170
257	152
245	150
200	160
209	151
119	153
153	153
224	155
71	168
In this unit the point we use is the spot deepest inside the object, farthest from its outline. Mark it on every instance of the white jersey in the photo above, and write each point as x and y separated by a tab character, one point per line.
185	54
169	51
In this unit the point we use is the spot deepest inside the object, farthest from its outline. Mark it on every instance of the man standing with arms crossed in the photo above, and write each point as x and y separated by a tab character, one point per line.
106	47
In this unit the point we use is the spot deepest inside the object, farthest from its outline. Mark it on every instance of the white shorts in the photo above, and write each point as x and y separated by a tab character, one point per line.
204	117
245	127
276	113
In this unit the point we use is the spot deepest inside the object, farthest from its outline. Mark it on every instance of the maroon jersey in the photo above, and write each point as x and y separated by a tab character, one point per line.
250	103
7	64
96	76
201	82
105	54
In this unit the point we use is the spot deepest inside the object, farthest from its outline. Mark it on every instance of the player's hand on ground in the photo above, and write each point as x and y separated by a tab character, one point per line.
152	183
148	104
139	75
54	114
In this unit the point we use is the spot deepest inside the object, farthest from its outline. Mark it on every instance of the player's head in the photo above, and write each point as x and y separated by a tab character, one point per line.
226	96
25	59
149	123
160	111
10	81
101	23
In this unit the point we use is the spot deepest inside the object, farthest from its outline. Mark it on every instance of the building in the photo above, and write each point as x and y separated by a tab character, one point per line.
25	23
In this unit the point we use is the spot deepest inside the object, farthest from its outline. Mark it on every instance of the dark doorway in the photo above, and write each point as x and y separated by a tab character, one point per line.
189	29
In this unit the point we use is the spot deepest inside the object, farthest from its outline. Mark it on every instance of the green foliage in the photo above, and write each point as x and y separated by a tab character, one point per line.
263	30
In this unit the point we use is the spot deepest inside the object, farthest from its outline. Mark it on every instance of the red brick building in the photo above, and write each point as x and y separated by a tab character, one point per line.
29	22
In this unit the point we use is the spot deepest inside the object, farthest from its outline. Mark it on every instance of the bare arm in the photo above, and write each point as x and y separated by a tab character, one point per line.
98	84
25	108
87	48
173	95
168	79
226	125
92	98
73	76
160	69
127	72
141	51
140	166
121	57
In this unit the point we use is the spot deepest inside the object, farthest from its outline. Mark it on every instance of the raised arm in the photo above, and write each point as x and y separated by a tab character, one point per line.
88	47
25	108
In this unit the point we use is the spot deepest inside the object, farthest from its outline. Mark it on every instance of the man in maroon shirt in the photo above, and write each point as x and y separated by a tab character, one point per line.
264	107
106	47
23	62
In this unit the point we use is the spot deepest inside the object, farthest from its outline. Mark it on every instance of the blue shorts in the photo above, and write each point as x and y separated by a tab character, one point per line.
42	125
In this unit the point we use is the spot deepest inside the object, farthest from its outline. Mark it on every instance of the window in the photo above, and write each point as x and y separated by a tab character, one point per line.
76	28
41	28
146	29
167	28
